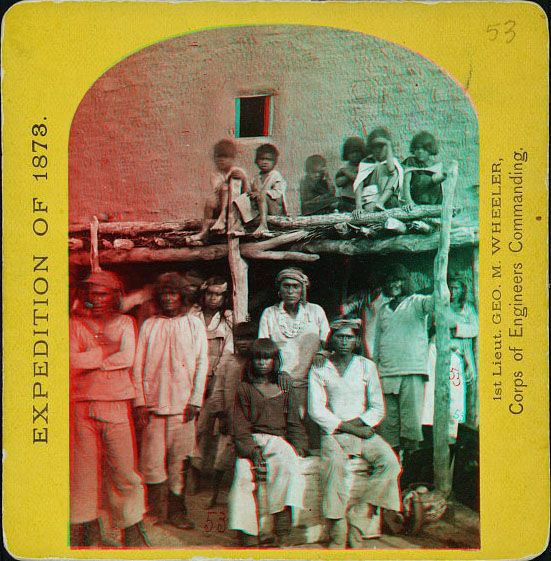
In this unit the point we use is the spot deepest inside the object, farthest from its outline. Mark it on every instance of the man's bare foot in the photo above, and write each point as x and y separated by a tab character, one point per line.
261	231
219	227
197	239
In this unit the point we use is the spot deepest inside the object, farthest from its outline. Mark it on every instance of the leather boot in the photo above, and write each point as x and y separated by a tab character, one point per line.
156	501
339	533
86	534
135	537
246	540
177	511
282	527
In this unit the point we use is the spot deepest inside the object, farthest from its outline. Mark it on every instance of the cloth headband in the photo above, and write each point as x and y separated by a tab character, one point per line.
345	324
105	278
293	274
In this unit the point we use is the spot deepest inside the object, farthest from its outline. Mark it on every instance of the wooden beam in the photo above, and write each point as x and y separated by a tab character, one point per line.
136	228
366	219
411	243
147	255
277	222
442	471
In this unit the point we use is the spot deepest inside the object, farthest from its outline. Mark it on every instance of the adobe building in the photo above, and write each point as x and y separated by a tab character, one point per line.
141	140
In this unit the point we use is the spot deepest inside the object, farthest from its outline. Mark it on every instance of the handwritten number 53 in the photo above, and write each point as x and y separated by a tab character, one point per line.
507	29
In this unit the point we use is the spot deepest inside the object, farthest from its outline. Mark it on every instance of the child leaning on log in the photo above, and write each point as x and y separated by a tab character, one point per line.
216	205
353	152
379	175
317	192
423	173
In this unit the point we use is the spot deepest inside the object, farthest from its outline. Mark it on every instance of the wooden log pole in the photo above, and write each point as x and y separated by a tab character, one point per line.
473	412
94	251
129	229
239	268
411	243
442	471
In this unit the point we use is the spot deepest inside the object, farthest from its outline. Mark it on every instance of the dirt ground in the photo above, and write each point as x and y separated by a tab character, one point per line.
459	528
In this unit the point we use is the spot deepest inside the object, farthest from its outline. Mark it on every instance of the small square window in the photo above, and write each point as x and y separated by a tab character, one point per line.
252	116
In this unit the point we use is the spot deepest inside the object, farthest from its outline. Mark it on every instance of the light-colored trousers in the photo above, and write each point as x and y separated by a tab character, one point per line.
92	440
382	489
284	487
166	442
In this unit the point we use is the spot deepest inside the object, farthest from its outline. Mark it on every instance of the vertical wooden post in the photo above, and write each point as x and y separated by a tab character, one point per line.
94	248
238	266
442	472
473	402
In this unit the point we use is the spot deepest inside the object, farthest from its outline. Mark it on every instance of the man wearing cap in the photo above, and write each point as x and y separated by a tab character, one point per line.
171	364
300	329
401	353
102	345
346	400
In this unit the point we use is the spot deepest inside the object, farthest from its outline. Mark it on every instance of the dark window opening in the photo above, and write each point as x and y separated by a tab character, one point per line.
252	116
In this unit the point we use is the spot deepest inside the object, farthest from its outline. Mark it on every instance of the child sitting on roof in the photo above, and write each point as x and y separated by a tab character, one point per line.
268	187
379	175
216	205
317	192
423	173
353	152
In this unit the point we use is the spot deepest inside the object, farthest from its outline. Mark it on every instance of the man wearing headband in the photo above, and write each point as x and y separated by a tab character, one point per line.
346	400
401	353
218	322
171	365
299	328
102	345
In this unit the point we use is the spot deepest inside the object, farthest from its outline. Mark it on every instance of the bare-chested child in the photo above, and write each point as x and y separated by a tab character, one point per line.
268	187
216	205
353	152
423	173
317	192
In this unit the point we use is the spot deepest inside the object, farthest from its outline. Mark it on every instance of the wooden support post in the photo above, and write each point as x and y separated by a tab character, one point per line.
442	472
94	248
238	266
474	402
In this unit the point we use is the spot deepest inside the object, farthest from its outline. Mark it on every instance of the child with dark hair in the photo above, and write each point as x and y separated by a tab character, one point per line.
317	192
379	175
216	205
228	378
353	152
266	427
268	187
423	173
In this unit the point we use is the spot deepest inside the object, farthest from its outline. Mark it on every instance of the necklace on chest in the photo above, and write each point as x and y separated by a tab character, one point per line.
291	327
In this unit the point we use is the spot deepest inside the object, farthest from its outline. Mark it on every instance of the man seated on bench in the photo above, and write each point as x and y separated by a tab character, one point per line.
346	400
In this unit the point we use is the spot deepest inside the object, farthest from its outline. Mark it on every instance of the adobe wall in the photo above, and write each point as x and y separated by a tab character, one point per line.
141	140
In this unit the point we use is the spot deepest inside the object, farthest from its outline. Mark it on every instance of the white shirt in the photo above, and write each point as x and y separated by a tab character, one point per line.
311	327
171	363
357	393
